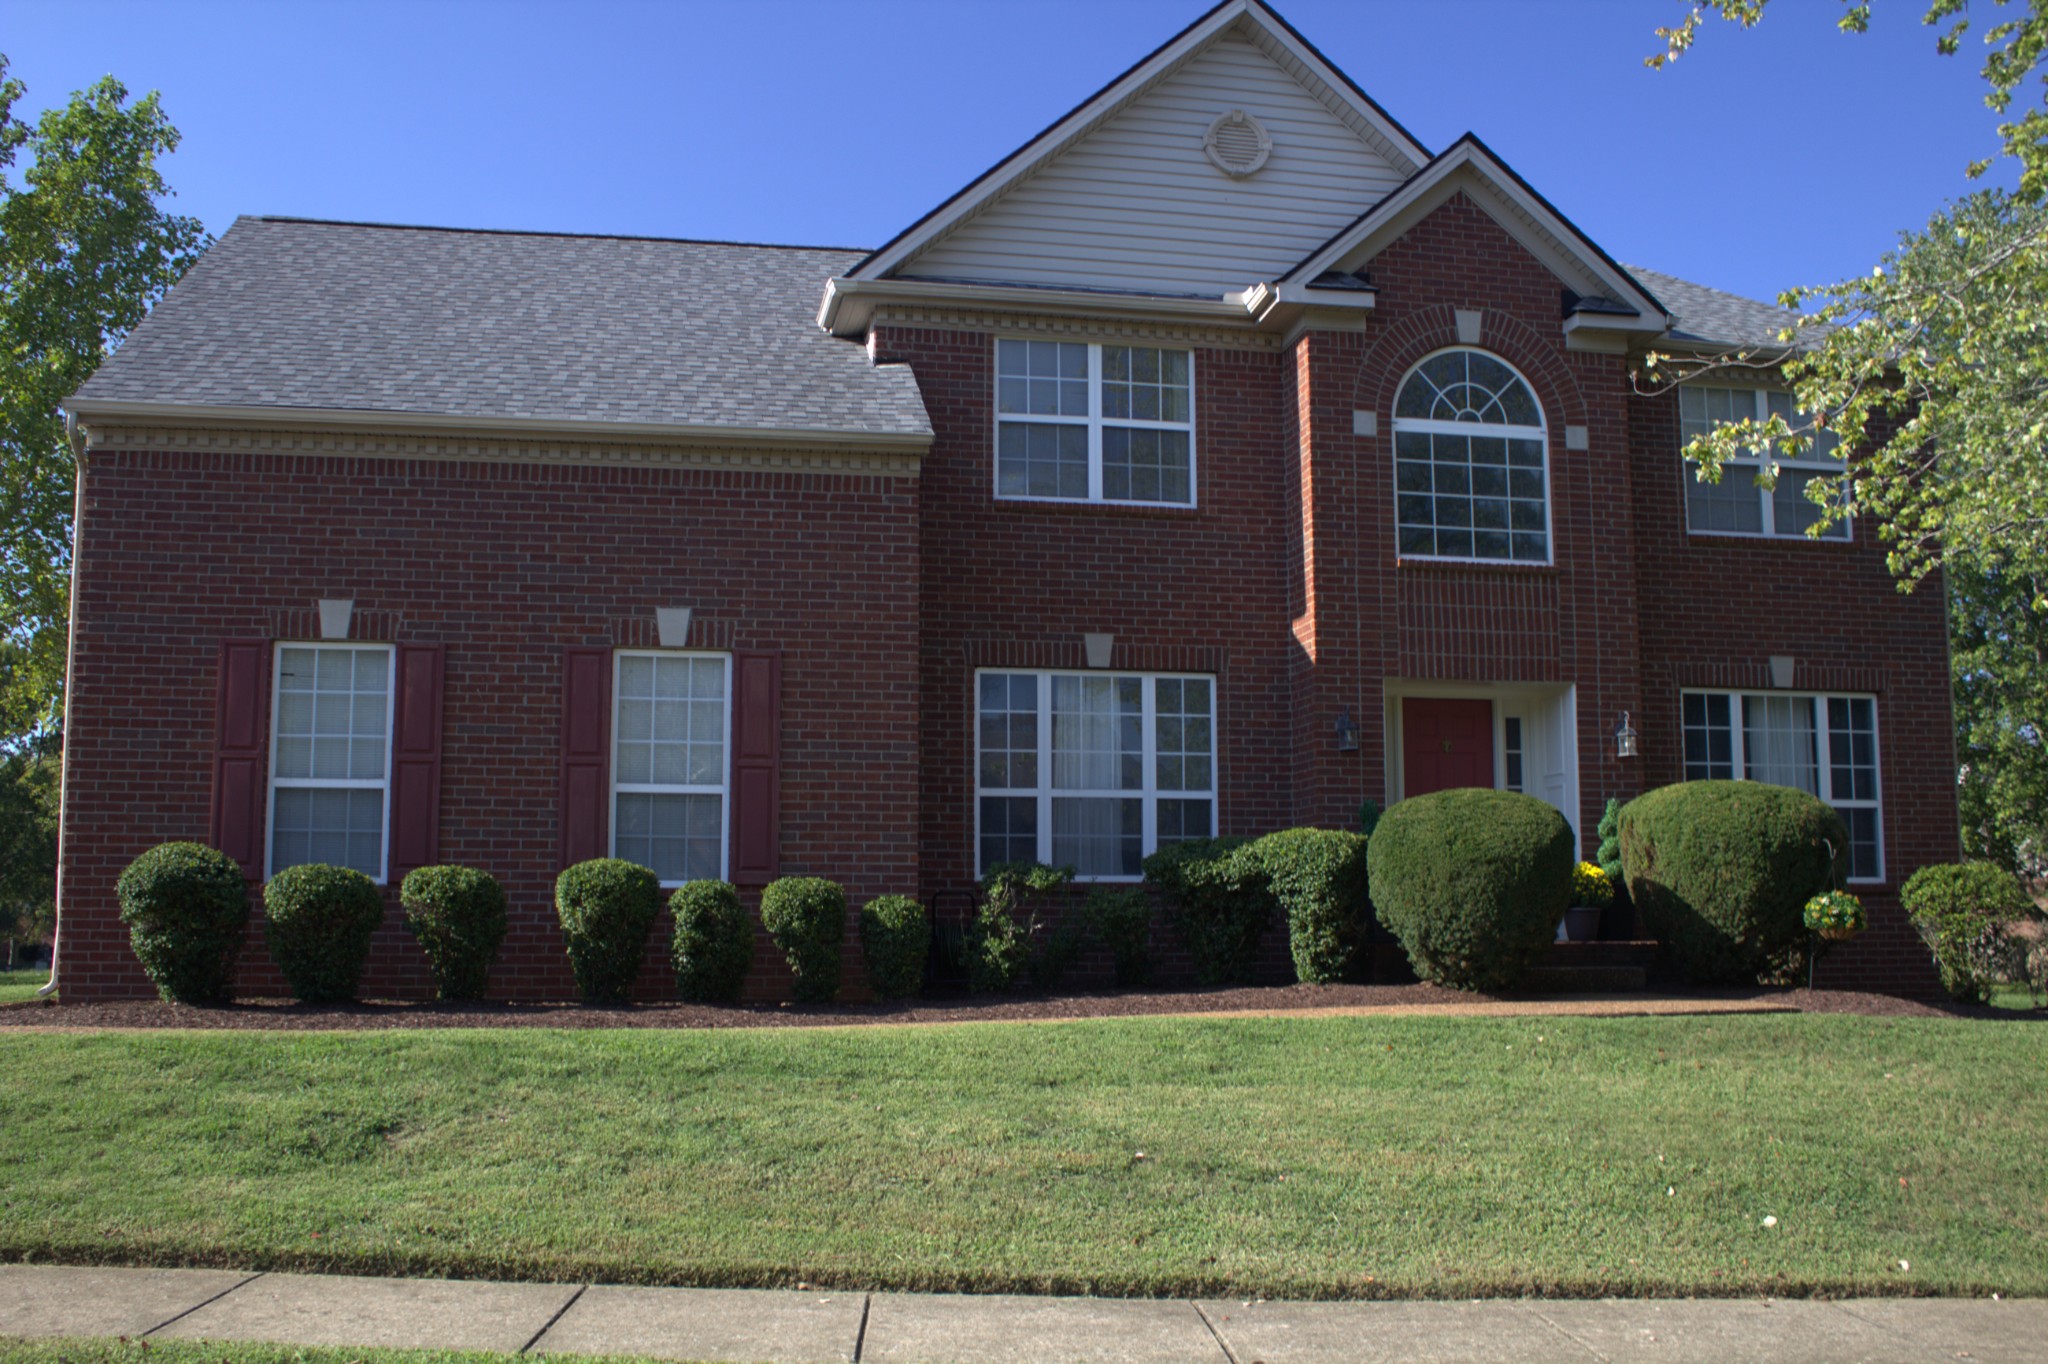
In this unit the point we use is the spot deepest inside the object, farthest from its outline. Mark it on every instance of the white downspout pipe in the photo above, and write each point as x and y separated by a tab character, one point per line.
77	440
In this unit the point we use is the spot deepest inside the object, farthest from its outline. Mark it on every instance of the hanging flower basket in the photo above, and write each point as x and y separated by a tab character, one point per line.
1835	915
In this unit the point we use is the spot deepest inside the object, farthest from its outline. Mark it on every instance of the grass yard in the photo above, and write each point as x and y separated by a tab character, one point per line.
1308	1156
22	982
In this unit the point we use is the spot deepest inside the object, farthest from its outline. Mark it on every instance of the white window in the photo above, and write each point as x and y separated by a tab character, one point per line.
1737	505
330	757
1471	463
1825	745
1511	753
1079	422
1092	770
671	731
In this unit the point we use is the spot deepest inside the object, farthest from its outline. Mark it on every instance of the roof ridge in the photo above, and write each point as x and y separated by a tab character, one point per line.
541	232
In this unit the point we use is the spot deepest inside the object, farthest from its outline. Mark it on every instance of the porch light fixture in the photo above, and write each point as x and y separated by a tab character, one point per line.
1624	738
1347	732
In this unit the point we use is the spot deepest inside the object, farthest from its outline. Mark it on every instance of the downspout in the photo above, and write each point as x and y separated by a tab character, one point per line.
77	441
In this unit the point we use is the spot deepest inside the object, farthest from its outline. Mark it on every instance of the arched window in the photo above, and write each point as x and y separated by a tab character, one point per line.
1470	463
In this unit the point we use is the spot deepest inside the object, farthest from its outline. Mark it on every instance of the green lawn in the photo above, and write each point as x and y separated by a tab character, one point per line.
1338	1156
22	982
102	1351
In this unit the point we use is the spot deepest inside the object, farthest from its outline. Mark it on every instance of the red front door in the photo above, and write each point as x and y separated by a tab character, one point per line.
1445	743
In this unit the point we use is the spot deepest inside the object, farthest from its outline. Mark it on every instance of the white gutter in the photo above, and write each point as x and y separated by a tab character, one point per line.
109	411
849	304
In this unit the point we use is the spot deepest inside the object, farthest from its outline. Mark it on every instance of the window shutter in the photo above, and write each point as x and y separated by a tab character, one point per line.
586	744
241	735
756	768
416	760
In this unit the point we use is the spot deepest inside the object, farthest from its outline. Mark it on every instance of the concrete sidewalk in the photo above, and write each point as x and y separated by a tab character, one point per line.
899	1328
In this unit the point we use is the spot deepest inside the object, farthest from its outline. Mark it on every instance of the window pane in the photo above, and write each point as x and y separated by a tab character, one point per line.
1098	837
1095	742
669	721
332	716
1040	460
1852	748
1467	386
1709	738
1730	506
1183	820
1778	741
1181	735
1482	497
1145	383
1864	861
339	827
1145	466
1009	830
677	837
1009	731
1793	511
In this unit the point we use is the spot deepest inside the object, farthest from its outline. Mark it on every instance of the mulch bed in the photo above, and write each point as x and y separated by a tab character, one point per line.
279	1014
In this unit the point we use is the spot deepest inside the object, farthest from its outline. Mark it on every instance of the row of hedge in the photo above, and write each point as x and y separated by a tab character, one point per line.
187	910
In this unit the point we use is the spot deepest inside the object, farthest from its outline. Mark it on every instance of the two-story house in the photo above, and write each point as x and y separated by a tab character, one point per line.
1217	461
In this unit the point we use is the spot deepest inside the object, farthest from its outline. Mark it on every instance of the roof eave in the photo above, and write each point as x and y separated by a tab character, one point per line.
108	411
849	304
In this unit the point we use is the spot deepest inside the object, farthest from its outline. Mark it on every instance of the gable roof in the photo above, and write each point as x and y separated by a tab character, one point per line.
508	329
1251	18
1615	294
1715	317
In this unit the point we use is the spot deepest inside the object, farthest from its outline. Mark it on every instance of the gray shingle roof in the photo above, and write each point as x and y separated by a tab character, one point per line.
287	313
1712	315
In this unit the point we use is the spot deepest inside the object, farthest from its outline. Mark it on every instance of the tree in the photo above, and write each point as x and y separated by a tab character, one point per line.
1934	370
86	249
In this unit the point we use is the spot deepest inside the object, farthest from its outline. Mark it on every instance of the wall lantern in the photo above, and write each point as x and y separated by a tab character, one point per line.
1624	738
1347	732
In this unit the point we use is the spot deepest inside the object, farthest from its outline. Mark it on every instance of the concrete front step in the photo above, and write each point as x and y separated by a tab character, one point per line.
1594	968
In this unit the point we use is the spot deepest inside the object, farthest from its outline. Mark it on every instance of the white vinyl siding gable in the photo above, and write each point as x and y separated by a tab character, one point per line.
1137	205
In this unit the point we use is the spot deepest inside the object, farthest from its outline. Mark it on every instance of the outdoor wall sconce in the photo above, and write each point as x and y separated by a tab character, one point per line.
1624	738
1347	732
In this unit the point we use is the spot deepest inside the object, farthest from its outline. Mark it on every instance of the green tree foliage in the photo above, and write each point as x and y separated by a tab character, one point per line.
1998	648
86	248
28	847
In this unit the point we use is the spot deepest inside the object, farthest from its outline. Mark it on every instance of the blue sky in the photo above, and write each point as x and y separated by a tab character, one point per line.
1791	154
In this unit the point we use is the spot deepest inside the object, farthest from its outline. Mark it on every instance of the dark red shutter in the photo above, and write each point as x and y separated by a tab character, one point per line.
416	760
756	768
586	745
241	737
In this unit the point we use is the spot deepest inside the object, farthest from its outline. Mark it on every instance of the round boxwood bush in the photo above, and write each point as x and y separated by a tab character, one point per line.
713	944
1472	883
1120	917
1721	872
806	915
895	937
317	923
607	907
1964	912
186	908
1216	889
1319	878
458	914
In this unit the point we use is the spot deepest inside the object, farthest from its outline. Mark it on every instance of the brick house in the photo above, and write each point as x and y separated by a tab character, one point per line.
1217	461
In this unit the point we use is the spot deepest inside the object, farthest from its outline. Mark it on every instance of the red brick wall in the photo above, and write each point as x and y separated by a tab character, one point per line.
505	565
1716	609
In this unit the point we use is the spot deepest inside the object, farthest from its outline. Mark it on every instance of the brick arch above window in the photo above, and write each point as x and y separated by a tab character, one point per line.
1397	350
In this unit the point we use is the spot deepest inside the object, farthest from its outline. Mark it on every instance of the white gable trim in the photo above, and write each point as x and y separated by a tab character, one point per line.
1261	25
1522	213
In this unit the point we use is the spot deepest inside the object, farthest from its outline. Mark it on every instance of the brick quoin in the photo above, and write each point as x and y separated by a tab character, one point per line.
885	595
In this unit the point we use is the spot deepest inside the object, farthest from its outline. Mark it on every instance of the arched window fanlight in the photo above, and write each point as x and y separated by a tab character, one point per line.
1470	462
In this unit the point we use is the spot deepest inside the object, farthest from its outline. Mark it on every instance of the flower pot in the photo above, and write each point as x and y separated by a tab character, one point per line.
1838	934
1581	923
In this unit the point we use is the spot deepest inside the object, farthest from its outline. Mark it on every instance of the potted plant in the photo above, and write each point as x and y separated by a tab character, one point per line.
1592	893
1835	915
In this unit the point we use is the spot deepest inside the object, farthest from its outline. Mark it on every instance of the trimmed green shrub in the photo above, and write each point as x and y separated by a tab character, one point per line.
1608	858
607	907
1965	912
317	922
1472	883
1721	872
713	942
1318	876
1012	930
186	908
458	914
1217	892
1121	918
806	915
895	936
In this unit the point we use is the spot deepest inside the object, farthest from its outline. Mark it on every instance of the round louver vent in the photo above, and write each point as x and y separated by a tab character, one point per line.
1237	143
